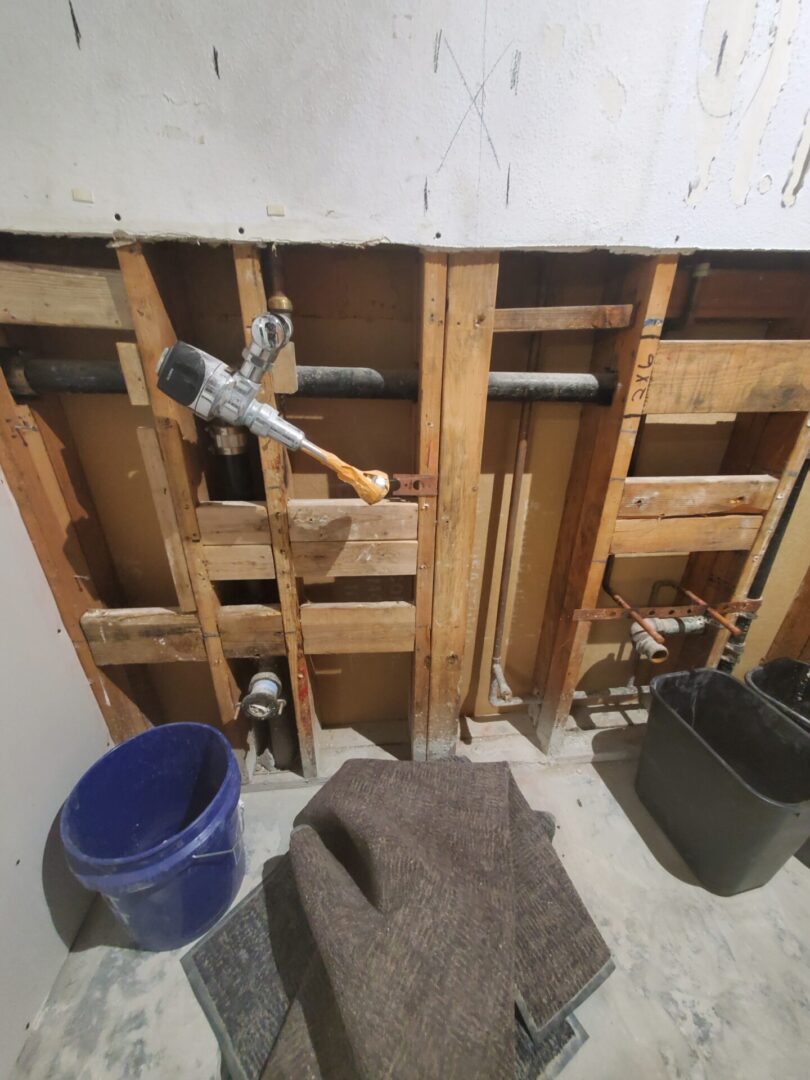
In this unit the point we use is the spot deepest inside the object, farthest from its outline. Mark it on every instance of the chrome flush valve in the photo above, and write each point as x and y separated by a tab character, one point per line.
213	391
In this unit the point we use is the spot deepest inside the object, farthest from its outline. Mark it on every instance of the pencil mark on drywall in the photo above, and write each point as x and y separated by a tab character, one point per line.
799	166
437	48
473	103
216	61
76	31
508	183
721	52
425	196
514	72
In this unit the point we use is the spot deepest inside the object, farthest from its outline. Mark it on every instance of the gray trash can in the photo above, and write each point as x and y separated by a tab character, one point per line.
726	776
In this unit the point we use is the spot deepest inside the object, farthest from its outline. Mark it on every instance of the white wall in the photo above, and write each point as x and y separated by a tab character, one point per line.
634	123
51	730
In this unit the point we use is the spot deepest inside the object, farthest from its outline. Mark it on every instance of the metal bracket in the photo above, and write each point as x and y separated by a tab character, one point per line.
664	611
414	484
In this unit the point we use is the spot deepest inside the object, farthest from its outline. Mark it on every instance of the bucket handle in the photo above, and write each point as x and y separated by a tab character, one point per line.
226	851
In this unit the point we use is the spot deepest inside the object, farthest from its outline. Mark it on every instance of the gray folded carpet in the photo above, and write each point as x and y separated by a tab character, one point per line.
421	926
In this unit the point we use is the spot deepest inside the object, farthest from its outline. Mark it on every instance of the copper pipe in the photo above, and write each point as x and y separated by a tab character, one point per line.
638	619
724	622
500	687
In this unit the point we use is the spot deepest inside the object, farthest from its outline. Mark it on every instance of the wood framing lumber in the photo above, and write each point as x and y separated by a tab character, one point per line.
730	376
68	585
174	426
777	443
311	520
313	560
275	469
432	305
143	635
602	458
583	317
472	279
131	368
681	496
40	295
248	631
670	536
167	519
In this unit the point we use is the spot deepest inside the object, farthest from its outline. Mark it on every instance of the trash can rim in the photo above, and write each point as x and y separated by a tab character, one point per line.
658	679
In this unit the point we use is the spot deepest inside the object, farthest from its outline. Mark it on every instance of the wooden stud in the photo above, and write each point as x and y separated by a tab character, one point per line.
175	426
167	519
730	376
583	317
680	496
131	368
62	296
68	582
472	279
433	302
602	458
275	469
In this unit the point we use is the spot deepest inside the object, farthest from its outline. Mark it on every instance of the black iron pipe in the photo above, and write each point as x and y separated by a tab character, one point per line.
34	375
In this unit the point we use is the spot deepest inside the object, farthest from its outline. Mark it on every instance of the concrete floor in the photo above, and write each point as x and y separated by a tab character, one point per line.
704	987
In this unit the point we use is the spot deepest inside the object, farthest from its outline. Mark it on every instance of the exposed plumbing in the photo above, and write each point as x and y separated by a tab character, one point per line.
273	735
214	391
29	376
648	648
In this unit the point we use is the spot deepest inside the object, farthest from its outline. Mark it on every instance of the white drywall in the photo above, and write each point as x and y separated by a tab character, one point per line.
51	731
523	123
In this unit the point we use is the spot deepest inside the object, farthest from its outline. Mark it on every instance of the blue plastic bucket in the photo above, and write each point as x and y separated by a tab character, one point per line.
155	827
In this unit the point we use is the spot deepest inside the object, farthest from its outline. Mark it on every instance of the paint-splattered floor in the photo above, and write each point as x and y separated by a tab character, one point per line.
704	987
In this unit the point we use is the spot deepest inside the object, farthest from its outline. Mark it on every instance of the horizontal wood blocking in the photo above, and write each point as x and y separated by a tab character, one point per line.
682	496
142	636
585	317
665	536
161	635
730	376
38	295
313	560
310	520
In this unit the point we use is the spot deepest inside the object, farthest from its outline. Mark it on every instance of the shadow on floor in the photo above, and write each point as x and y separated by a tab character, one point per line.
102	929
619	778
